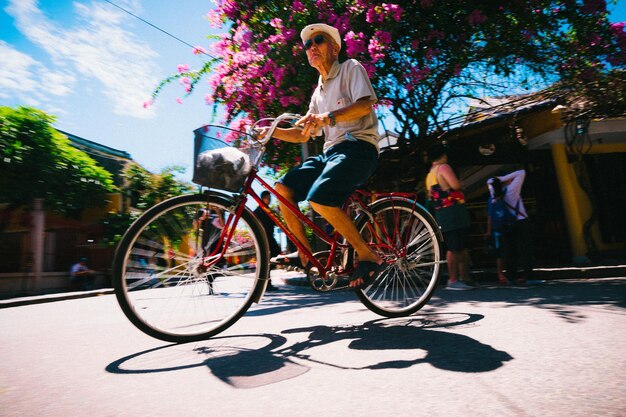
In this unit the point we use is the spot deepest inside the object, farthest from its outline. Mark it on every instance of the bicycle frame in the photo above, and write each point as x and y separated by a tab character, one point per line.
356	201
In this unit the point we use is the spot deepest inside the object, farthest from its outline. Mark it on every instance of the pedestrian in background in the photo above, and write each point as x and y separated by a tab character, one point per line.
516	236
81	277
495	223
443	189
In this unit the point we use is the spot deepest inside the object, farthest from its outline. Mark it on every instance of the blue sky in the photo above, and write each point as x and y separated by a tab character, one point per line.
92	66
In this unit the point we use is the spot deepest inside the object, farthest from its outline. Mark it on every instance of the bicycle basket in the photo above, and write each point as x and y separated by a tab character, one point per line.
223	157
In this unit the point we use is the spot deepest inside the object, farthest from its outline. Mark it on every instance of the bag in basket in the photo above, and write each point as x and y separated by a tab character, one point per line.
224	168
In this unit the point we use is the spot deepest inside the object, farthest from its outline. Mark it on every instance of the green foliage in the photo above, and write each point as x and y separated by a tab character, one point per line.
36	161
115	225
604	96
146	189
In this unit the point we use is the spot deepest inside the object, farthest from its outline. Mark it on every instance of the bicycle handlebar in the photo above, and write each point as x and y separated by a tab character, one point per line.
291	117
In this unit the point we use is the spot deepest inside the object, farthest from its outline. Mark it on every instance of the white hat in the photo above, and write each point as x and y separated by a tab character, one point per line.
321	27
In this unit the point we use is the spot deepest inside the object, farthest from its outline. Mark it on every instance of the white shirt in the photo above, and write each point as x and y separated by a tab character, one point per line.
512	196
346	83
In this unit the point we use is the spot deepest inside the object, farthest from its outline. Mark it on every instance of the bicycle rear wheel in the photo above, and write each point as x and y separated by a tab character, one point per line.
409	240
170	288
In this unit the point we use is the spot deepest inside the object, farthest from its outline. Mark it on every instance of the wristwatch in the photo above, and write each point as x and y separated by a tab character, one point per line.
333	121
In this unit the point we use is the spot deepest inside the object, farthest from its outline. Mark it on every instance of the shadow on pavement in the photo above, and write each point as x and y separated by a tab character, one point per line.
558	296
248	361
290	298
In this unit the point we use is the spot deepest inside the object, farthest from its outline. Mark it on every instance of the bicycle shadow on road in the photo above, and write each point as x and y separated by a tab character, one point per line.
242	361
249	361
443	350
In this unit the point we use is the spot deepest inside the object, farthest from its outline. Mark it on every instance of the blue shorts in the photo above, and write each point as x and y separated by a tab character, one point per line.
329	179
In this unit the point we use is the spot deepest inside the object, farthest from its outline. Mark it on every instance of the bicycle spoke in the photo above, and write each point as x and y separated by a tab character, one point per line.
408	243
176	282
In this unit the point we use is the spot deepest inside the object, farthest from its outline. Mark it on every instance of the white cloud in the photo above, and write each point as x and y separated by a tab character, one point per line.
15	70
24	77
99	48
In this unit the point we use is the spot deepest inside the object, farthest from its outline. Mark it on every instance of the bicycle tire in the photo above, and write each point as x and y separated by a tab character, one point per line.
177	298
410	241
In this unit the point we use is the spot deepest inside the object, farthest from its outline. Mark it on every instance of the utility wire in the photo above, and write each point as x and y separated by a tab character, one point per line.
452	121
161	30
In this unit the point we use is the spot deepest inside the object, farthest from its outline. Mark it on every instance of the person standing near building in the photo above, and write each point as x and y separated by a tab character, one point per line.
516	238
495	224
443	189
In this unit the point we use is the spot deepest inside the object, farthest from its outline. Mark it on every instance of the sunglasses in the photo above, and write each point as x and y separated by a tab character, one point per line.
318	39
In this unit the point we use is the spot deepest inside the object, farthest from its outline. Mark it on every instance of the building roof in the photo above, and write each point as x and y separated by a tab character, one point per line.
97	148
494	111
113	160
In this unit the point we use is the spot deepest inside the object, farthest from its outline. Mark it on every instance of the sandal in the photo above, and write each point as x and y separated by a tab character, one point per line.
291	259
367	271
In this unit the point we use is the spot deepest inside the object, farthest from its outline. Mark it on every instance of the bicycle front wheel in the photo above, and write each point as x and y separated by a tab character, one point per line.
172	276
409	240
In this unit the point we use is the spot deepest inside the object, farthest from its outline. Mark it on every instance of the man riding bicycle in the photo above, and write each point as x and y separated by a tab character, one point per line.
342	108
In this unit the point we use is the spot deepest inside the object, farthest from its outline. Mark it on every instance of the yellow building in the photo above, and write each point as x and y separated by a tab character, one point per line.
575	187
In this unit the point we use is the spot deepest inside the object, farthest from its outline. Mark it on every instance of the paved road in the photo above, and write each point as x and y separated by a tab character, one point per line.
554	349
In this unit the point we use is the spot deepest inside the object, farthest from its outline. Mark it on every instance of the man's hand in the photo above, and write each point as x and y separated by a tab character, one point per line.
313	122
260	132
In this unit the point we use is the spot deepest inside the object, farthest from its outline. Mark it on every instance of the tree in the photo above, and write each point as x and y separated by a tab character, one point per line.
425	57
36	161
146	189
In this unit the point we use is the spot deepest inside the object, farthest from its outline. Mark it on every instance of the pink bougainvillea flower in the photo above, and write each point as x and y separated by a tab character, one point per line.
374	14
383	37
182	68
215	19
197	50
298	7
376	50
617	29
147	104
355	43
394	10
179	100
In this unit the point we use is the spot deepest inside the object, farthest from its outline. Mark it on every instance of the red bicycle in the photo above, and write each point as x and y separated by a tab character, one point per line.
191	266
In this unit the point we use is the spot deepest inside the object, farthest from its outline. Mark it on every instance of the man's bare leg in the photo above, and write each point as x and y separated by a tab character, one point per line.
344	225
293	223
